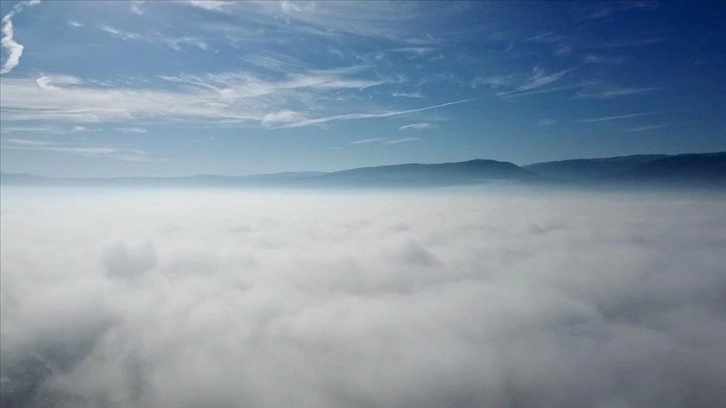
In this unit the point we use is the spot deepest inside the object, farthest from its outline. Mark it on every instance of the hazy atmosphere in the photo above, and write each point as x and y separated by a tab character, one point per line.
385	204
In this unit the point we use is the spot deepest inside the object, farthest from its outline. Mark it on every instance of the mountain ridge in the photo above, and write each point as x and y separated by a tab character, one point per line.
694	168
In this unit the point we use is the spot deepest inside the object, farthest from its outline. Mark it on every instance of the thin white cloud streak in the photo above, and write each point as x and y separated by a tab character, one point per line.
607	9
507	95
417	126
615	92
75	24
133	155
403	140
357	116
456	298
27	142
407	95
370	140
131	130
619	117
125	154
12	47
645	128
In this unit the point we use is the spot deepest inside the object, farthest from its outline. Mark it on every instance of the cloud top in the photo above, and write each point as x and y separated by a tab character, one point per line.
468	298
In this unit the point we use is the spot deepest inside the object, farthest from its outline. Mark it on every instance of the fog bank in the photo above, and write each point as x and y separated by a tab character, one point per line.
451	298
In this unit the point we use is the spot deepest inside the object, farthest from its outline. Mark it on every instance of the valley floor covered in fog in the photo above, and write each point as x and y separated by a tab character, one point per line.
440	298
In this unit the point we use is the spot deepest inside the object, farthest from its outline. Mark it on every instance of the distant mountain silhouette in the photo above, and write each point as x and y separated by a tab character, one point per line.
440	174
706	168
687	169
591	169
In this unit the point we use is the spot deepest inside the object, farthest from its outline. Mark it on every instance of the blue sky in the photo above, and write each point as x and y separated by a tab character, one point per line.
192	87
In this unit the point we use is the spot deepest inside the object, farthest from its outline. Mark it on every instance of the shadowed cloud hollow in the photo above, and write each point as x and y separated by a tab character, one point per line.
461	298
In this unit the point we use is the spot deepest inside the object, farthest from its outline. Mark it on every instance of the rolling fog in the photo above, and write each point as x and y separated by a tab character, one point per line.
440	298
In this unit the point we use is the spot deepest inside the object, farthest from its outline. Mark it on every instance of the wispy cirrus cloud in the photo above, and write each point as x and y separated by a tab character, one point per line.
403	140
115	153
602	59
136	8
606	92
546	122
385	140
417	126
212	5
26	142
607	9
130	130
416	94
236	97
13	48
355	116
539	79
619	117
157	38
124	35
519	84
369	140
645	128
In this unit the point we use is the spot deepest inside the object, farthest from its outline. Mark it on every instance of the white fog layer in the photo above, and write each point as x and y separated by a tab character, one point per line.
431	299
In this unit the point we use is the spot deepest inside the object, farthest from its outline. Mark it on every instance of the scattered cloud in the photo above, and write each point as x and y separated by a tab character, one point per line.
417	126
74	24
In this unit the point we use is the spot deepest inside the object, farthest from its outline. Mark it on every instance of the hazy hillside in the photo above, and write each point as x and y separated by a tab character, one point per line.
591	169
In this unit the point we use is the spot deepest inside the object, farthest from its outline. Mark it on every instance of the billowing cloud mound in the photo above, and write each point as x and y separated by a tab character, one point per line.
443	299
